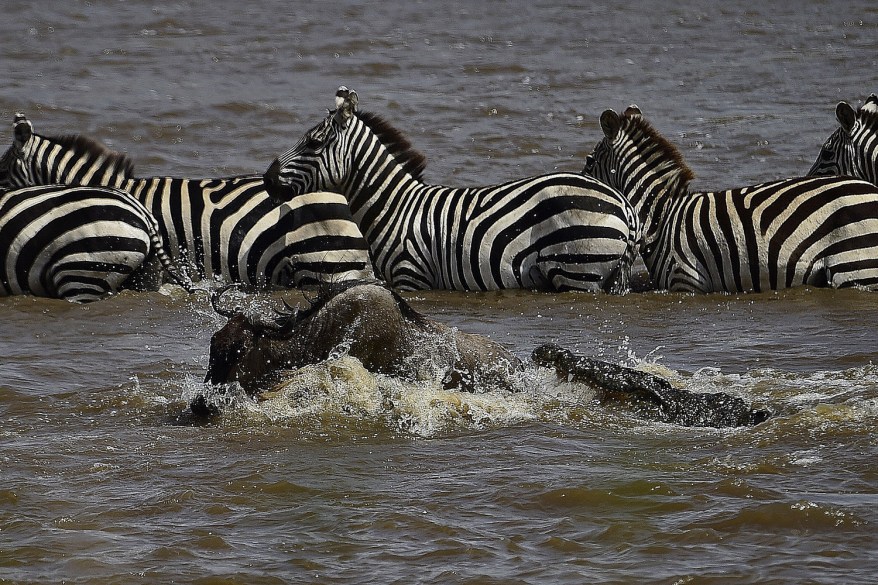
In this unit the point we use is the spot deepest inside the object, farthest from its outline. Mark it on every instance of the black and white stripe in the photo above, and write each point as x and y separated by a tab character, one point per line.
79	243
225	228
820	231
853	148
561	231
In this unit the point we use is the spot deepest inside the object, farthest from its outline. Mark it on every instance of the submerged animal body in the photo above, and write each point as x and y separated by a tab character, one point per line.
367	321
650	396
376	326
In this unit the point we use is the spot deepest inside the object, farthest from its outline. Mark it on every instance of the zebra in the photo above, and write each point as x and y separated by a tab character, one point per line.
556	232
225	228
79	244
819	231
853	148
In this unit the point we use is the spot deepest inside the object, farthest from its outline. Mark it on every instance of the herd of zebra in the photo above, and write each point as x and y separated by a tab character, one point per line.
348	202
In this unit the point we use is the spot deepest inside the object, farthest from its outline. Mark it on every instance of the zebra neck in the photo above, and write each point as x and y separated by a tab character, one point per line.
141	184
382	188
98	180
860	161
847	162
651	195
652	169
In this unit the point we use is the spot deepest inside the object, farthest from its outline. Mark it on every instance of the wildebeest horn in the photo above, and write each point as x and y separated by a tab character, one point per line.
215	298
290	307
285	315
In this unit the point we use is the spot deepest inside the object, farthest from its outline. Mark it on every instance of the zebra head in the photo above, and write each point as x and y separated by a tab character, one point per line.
602	164
318	161
34	159
606	160
864	138
835	156
853	148
15	172
636	160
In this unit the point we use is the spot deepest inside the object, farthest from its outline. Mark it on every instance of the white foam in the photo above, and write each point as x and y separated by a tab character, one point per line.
341	393
342	388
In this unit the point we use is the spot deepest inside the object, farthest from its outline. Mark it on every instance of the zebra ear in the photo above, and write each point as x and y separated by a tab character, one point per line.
871	102
632	110
610	123
845	115
22	129
341	94
345	105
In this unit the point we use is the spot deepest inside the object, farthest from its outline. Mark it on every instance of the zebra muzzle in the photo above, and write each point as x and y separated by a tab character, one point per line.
273	186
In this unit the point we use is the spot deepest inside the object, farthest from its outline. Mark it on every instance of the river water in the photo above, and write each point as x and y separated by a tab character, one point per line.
357	479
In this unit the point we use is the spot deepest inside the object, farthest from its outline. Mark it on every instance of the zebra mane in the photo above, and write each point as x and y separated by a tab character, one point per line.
637	122
398	145
94	149
868	113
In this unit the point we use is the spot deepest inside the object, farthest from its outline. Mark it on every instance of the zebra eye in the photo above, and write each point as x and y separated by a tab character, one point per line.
313	141
316	139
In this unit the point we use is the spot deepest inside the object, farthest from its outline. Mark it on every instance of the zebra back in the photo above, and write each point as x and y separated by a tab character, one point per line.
853	148
76	243
227	227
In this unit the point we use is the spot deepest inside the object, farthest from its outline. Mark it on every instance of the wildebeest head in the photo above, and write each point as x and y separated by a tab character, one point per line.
371	320
237	349
232	351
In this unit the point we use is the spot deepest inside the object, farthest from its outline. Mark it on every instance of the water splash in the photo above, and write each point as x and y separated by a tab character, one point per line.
341	388
341	394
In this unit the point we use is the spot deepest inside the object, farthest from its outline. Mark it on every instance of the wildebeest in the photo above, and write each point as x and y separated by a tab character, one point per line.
371	323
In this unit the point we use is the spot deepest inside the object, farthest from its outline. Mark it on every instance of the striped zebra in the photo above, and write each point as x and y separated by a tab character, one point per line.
819	231
558	232
853	148
224	228
79	244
